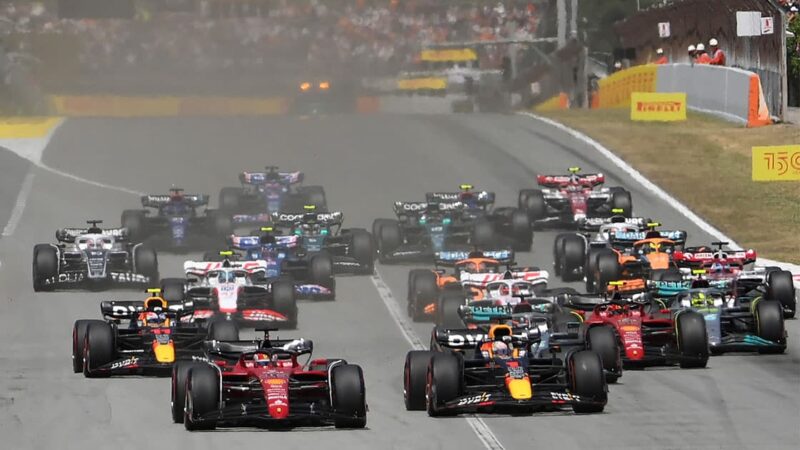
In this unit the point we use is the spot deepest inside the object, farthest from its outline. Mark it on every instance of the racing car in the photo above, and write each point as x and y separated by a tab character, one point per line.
234	290
312	278
321	236
568	199
177	223
264	192
747	322
648	331
428	231
263	383
150	343
511	226
471	371
93	258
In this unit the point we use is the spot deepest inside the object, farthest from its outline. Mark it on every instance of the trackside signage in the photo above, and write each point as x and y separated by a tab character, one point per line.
776	163
659	107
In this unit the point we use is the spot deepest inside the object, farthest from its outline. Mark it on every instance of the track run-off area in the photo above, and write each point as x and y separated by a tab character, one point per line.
93	169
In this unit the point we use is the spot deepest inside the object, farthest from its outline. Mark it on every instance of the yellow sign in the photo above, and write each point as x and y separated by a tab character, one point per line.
413	84
449	55
660	107
26	127
776	163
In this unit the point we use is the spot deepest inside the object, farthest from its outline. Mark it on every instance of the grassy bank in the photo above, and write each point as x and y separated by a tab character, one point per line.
705	163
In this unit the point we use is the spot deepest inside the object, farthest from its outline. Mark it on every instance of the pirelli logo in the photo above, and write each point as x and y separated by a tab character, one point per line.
660	107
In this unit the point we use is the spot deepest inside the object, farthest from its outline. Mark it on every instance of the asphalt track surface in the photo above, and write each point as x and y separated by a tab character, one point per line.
365	163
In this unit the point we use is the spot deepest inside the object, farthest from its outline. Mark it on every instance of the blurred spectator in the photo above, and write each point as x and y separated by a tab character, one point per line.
717	55
692	52
662	58
701	57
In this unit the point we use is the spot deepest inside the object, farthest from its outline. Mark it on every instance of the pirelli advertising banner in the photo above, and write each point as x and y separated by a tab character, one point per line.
658	107
776	163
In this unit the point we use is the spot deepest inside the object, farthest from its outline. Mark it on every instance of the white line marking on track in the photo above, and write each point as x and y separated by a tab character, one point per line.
19	206
653	188
87	181
479	427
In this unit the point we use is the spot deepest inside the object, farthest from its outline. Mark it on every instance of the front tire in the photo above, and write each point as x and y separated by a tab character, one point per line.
692	340
447	315
78	341
145	262
45	266
415	375
587	380
202	397
98	348
780	287
603	341
284	302
349	396
770	324
445	379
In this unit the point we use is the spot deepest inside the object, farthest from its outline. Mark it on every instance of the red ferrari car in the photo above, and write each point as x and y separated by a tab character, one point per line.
246	383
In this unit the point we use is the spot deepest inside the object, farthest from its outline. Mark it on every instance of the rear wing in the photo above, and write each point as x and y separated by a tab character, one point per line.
130	309
248	242
449	258
419	208
627	239
471	338
482	279
483	198
157	201
68	235
557	181
257	178
704	257
201	268
594	223
283	219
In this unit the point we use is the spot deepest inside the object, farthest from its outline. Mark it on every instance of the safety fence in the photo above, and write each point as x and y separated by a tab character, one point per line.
733	94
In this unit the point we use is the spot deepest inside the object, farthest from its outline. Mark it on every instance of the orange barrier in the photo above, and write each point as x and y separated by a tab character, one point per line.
615	90
757	112
558	102
366	105
135	106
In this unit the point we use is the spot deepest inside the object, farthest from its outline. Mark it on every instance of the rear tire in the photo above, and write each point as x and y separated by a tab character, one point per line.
692	340
535	204
78	340
573	257
145	262
770	324
321	270
98	348
603	341
223	225
173	290
284	302
223	330
134	221
608	270
780	287
445	378
415	376
482	233
389	239
558	253
202	396
349	396
363	249
621	199
315	195
521	230
587	380
229	199
45	266
447	315
423	289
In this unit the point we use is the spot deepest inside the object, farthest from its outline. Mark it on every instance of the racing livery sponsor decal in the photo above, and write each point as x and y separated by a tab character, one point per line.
482	398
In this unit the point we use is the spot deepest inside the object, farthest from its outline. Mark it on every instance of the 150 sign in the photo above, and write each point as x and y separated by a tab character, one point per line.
776	163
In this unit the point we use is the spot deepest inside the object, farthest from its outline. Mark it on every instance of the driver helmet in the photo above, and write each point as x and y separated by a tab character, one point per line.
468	199
501	350
504	290
719	267
261	359
699	299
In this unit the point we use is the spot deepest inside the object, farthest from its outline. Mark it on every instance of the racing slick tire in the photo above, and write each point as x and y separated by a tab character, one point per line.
134	221
415	377
521	230
590	267
320	269
45	265
98	348
145	262
363	249
223	330
671	274
603	341
180	371
692	339
78	339
202	396
389	238
573	251
608	269
445	381
348	395
587	380
223	225
315	195
532	201
422	288
284	302
558	253
173	290
447	310
780	287
621	199
377	224
482	233
229	199
770	324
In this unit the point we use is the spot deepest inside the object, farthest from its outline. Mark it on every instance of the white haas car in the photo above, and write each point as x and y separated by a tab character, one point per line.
514	282
234	290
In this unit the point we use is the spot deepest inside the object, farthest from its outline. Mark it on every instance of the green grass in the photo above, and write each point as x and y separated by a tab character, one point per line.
705	163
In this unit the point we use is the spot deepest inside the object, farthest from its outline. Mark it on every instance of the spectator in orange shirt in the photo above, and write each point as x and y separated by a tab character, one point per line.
701	55
717	55
662	58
